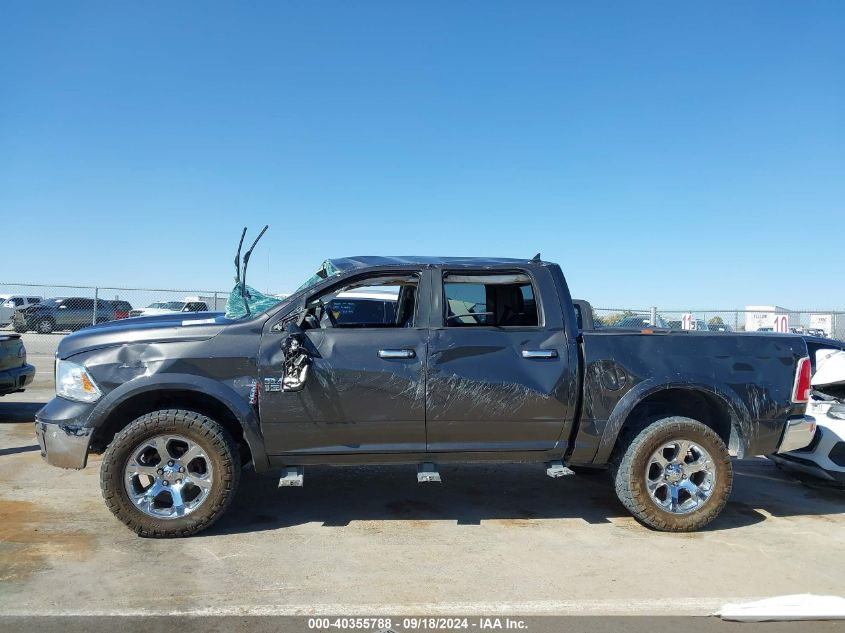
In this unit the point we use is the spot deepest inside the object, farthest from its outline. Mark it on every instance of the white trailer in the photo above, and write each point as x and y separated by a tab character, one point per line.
766	319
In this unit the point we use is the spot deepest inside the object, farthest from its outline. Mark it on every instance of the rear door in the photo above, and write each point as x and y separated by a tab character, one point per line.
501	374
72	313
365	390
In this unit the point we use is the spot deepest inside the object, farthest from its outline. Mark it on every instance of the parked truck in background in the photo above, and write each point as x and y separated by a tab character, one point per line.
479	360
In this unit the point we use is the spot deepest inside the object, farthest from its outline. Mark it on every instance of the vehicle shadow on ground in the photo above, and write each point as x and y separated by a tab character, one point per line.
470	495
17	412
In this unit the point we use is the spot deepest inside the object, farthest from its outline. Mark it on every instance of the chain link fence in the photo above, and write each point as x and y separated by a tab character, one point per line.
64	309
44	313
824	323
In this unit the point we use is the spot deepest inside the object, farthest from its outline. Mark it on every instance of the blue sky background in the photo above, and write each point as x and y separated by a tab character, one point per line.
670	154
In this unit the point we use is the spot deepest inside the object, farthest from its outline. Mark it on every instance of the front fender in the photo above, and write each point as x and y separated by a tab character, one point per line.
739	414
227	396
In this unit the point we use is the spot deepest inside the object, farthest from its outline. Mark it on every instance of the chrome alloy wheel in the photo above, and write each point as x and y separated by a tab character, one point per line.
168	476
680	477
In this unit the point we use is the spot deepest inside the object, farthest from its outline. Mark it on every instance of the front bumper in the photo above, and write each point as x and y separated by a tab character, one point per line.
63	446
12	380
61	432
798	433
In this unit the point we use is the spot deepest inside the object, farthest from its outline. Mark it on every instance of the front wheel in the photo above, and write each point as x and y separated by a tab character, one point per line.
170	473
675	475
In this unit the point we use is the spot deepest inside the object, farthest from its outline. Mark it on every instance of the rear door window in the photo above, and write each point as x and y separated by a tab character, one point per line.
505	300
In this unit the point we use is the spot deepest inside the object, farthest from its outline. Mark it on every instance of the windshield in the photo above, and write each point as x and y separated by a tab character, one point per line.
326	270
258	302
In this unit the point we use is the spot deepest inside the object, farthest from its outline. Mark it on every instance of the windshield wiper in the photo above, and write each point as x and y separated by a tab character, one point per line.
240	277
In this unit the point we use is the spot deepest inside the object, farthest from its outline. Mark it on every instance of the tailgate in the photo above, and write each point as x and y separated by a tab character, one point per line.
11	351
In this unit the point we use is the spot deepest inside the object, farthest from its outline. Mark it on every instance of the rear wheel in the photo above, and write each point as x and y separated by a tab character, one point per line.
45	326
170	473
675	475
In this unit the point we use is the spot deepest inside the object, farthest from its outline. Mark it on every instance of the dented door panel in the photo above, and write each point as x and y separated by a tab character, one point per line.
483	395
488	389
353	400
359	395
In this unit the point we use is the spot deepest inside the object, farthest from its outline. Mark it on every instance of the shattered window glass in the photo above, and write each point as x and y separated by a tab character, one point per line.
325	271
257	302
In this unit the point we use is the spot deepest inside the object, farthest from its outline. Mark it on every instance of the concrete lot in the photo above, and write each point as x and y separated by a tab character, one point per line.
503	539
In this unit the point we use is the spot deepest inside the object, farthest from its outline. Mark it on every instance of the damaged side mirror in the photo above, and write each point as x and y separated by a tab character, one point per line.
297	359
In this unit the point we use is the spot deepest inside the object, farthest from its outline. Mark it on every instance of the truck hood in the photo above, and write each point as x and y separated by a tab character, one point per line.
177	326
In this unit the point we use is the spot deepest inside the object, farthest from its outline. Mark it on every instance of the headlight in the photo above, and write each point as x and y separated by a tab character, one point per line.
75	383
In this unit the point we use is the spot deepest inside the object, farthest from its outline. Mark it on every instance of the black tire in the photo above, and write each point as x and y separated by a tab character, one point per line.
214	440
20	329
630	470
45	326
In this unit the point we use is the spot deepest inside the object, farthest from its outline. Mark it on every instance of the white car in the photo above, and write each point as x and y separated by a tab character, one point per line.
823	459
170	307
10	303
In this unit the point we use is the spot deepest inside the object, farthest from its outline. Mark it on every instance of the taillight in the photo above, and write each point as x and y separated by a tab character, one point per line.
801	389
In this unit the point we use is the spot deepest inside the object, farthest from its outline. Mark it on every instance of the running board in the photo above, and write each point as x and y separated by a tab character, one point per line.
557	469
427	472
292	476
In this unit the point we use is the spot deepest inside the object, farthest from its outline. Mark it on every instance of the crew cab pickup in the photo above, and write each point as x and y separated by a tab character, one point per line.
479	360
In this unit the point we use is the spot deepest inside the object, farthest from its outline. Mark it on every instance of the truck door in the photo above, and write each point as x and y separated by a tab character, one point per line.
365	387
500	371
75	312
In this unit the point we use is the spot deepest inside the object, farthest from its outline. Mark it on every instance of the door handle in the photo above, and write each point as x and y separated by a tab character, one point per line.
396	353
539	353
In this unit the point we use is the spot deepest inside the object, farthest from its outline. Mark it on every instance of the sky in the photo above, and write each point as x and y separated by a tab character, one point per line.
685	155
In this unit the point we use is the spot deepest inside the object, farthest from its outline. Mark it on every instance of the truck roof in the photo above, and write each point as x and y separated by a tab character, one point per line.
368	261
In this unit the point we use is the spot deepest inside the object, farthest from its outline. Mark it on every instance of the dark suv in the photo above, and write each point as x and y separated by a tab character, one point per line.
63	313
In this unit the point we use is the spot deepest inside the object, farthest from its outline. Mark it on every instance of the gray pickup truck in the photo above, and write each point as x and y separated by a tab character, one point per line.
479	360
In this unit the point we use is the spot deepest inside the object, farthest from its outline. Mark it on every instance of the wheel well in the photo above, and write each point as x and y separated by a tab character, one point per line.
138	405
707	408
